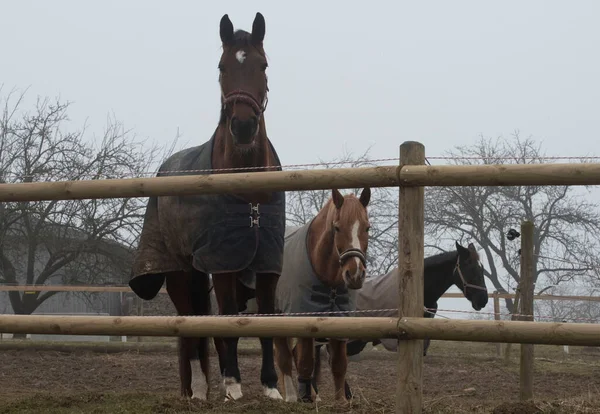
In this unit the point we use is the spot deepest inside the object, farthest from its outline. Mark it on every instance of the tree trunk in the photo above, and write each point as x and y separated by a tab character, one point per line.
24	304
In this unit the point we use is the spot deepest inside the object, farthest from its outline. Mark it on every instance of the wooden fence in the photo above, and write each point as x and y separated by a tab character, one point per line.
411	176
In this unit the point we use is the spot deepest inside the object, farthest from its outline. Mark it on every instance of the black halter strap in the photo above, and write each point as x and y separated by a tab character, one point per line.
347	254
462	278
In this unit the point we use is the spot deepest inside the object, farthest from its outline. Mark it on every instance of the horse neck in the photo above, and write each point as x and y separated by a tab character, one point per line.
226	155
321	247
438	278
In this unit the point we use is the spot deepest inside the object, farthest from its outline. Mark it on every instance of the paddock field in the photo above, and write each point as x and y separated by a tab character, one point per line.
459	377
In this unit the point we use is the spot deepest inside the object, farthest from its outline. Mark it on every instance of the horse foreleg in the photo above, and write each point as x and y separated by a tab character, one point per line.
339	365
193	352
284	358
316	373
224	285
200	363
305	367
266	284
221	353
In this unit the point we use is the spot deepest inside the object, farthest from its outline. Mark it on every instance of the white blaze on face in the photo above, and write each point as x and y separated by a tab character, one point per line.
356	243
240	55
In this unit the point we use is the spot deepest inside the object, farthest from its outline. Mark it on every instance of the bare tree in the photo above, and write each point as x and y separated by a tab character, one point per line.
569	310
74	241
302	206
567	224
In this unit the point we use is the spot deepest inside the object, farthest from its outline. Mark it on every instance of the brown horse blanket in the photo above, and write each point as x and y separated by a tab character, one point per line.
299	289
212	233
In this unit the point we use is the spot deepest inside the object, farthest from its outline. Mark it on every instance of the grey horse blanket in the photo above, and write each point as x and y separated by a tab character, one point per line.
299	289
212	233
381	292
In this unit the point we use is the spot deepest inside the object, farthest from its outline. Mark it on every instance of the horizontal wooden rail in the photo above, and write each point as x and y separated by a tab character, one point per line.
523	332
127	289
317	179
316	327
57	288
500	175
233	183
225	326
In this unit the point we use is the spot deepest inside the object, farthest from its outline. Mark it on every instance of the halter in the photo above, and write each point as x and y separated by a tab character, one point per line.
462	278
349	253
239	95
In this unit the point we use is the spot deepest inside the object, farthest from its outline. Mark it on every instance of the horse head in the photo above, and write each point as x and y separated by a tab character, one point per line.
348	221
243	80
469	277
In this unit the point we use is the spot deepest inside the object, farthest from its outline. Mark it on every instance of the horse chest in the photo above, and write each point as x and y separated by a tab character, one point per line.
299	290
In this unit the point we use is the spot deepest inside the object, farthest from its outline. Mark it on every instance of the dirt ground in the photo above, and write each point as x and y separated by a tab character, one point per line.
458	378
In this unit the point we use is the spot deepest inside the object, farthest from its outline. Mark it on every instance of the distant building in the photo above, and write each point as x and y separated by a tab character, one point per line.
106	263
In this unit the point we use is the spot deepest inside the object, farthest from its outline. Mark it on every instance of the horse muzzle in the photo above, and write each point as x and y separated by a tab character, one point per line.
353	263
479	300
356	280
244	131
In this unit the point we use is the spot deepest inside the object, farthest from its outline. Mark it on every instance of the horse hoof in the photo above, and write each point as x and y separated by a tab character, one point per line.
291	398
272	393
317	398
199	388
199	397
233	389
343	402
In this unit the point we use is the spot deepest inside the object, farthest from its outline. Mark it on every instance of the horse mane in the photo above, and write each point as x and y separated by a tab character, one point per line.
440	258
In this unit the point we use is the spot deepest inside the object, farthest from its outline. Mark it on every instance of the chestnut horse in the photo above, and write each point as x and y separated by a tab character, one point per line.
461	268
186	238
324	264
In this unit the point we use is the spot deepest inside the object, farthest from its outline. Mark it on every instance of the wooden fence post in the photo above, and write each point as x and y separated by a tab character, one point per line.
513	317
526	377
497	317
411	230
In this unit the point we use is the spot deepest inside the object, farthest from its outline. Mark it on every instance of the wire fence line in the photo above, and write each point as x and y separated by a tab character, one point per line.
363	312
365	162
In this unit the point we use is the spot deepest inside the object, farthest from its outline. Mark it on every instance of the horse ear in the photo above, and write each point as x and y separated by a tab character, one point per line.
461	250
365	196
226	30
471	247
258	29
338	198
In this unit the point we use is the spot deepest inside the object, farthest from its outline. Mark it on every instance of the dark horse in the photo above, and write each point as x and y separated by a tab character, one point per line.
461	268
186	238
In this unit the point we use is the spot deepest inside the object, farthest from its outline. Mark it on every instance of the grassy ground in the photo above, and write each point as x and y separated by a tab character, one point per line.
459	377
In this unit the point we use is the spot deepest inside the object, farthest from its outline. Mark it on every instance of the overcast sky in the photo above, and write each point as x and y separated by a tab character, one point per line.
342	75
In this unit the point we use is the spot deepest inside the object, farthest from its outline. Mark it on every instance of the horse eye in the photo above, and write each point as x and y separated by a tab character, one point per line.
336	228
264	67
221	68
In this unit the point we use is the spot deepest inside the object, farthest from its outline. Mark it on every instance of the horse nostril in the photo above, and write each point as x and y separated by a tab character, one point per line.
347	274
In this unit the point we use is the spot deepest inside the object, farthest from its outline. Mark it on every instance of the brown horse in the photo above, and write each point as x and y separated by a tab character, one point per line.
324	264
184	239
